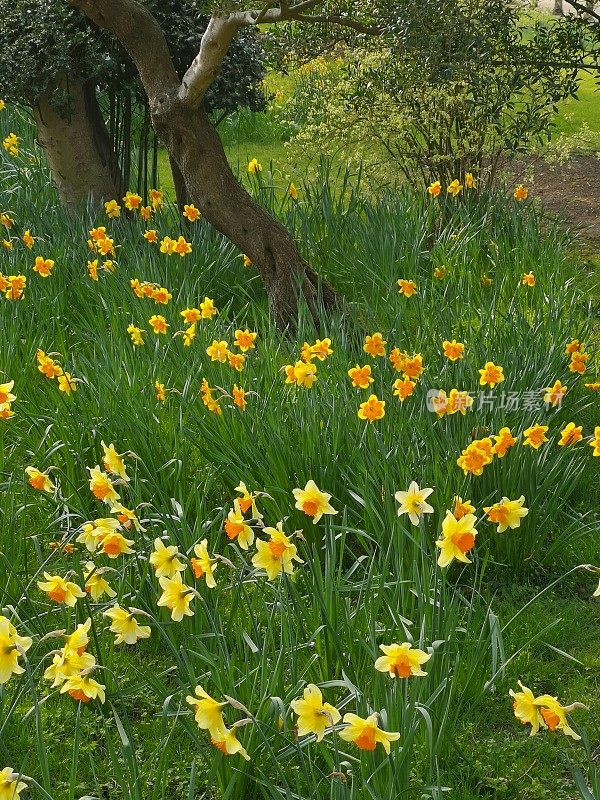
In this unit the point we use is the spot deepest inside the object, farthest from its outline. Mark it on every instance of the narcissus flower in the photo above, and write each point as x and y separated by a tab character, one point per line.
412	366
161	295
158	323
27	239
218	351
207	308
203	565
96	584
413	502
528	279
470	181
248	500
47	366
454	188
145	212
503	442
236	527
314	715
595	443
276	555
83	688
398	359
60	590
156	198
132	201
151	236
406	287
535	436
593	387
374	345
526	711
207	711
313	502
301	374
101	486
182	247
12	647
39	480
176	596
43	266
236	361
239	396
434	189
440	273
403	388
453	350
578	362
542	712
458	537
190	212
554	394
573	346
112	208
521	193
476	456
366	733
360	376
10	784
114	544
372	409
93	533
66	383
165	560
189	335
490	375
293	191
15	286
321	349
462	507
507	513
570	434
125	625
227	742
191	315
244	340
458	401
136	335
254	166
401	661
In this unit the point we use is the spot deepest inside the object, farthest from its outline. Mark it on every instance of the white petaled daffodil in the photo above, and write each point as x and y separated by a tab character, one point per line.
413	502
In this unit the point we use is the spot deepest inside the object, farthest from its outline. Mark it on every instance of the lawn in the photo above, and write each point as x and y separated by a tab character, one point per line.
153	354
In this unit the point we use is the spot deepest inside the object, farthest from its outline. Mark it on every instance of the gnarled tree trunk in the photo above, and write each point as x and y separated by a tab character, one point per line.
194	146
78	147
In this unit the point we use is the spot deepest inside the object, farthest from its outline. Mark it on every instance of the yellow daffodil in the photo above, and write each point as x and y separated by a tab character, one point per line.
203	566
276	555
313	502
176	596
401	660
236	527
12	647
125	625
366	733
60	590
458	537
165	560
207	711
39	480
507	513
314	715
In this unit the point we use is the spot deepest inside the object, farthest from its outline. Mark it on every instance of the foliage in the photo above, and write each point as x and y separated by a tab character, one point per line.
369	576
456	86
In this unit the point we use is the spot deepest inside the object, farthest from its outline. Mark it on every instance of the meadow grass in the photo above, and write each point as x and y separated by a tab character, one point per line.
368	576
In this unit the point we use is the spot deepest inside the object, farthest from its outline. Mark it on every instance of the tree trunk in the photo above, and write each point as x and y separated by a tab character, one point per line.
78	148
181	193
558	8
195	147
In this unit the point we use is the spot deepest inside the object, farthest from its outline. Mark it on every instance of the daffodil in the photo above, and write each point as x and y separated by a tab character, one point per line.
276	555
60	590
458	537
11	784
12	647
401	660
360	376
96	584
39	480
535	436
113	461
125	625
207	711
176	596
570	434
366	733
372	409
413	502
203	565
226	741
314	715
507	513
83	688
313	502
491	374
236	527
101	486
165	560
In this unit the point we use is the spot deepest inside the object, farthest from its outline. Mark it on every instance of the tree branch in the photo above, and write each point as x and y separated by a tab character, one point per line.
142	37
584	9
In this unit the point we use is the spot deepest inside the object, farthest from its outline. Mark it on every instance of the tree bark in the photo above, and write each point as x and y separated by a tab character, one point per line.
195	147
78	148
558	8
181	193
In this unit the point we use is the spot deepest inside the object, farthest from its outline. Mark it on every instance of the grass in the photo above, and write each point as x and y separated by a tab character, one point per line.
369	577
